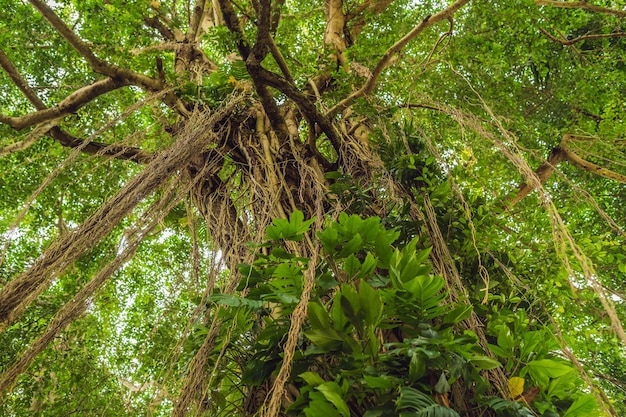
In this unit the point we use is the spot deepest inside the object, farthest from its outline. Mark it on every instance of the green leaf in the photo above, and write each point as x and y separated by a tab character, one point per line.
332	392
551	367
320	406
484	362
318	316
370	303
326	339
312	378
505	338
384	250
329	238
368	266
442	386
583	406
414	403
351	305
351	265
458	314
353	246
542	370
417	366
383	382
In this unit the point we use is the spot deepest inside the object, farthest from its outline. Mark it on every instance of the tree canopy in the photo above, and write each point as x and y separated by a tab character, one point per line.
339	208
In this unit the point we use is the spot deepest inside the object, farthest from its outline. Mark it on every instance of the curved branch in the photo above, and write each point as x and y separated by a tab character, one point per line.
580	5
66	106
580	163
103	67
385	61
542	173
20	82
49	127
155	23
547	168
568	42
98	148
31	138
303	103
97	64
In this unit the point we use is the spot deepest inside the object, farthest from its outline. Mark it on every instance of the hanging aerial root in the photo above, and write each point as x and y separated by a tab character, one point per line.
78	304
297	320
17	295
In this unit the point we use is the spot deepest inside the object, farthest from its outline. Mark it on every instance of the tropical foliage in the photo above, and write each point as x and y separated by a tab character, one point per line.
304	208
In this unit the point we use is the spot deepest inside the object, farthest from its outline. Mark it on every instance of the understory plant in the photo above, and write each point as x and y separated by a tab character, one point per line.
383	336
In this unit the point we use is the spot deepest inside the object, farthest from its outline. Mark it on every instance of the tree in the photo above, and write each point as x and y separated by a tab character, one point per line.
287	208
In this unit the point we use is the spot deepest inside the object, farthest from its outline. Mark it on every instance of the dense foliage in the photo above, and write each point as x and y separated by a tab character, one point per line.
338	208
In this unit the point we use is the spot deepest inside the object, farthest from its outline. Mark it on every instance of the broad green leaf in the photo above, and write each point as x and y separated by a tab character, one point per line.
483	362
333	393
370	303
442	386
377	382
458	314
583	406
318	316
505	338
312	378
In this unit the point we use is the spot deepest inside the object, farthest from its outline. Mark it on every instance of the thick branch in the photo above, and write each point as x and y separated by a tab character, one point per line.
547	168
280	60
580	163
66	106
580	5
167	33
50	128
357	17
305	105
385	61
261	46
20	82
543	173
31	138
196	20
232	23
82	48
98	148
335	23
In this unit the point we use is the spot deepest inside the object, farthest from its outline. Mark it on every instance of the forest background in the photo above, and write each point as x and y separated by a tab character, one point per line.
339	208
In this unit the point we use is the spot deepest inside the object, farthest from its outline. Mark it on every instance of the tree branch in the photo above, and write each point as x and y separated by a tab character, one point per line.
98	148
66	106
304	104
580	5
82	48
543	173
196	20
10	69
357	17
568	42
49	127
580	163
167	33
335	23
385	61
557	155
232	23
39	131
